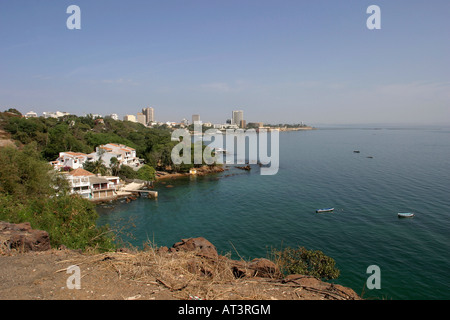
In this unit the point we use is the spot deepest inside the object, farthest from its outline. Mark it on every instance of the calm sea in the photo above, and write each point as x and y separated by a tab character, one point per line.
247	214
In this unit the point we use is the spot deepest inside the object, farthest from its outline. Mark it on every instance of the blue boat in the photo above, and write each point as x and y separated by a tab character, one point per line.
405	215
325	210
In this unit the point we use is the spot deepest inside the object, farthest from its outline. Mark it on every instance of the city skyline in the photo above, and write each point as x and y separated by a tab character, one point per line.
285	61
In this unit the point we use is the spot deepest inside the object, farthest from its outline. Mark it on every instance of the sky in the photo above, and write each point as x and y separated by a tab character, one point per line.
284	61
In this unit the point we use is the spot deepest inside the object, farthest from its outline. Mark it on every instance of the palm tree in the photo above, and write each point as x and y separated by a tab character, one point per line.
99	167
114	164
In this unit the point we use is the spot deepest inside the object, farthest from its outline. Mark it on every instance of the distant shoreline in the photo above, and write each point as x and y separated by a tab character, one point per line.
204	170
296	129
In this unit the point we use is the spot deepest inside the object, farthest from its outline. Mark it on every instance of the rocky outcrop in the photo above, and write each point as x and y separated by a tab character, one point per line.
330	290
264	268
209	262
22	237
256	268
201	245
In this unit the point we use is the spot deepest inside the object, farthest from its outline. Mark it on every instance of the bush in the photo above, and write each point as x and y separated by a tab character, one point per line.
126	172
146	173
30	191
306	262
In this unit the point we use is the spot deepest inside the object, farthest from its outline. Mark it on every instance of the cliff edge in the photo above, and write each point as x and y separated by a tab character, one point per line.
190	269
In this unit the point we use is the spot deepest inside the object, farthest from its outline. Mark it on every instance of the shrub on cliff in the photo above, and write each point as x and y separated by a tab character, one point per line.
306	262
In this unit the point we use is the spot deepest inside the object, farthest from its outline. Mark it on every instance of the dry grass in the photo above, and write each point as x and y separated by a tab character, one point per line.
157	274
186	274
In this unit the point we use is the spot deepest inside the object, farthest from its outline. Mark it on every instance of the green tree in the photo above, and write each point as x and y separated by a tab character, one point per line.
31	191
146	173
114	164
126	172
306	262
95	167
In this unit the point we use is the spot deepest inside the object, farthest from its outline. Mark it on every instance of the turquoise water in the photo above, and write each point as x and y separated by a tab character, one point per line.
250	213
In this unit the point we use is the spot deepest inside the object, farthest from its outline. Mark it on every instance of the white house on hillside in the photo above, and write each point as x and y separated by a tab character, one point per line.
91	186
73	160
31	114
125	155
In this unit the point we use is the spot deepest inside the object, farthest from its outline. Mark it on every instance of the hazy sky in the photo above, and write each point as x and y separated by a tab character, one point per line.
279	61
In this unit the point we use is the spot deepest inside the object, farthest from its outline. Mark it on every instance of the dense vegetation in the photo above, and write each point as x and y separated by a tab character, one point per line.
308	262
84	134
30	191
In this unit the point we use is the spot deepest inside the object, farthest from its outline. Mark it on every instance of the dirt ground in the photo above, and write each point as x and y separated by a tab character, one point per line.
145	276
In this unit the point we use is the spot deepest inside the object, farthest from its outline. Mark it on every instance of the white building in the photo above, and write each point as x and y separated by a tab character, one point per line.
57	114
225	126
91	186
31	114
125	155
113	116
130	117
73	160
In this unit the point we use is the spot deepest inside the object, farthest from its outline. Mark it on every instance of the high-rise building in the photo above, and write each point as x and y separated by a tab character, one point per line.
195	118
141	118
149	115
236	117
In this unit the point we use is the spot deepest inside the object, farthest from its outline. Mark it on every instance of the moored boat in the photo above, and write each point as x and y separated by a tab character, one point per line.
405	215
325	210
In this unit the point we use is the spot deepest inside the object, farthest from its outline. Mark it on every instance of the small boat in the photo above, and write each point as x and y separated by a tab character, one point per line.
220	150
324	210
405	215
356	151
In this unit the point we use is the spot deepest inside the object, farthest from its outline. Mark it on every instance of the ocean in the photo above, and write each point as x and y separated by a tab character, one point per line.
247	214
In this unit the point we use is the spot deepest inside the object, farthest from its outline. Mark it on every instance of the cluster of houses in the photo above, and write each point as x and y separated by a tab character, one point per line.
89	185
74	160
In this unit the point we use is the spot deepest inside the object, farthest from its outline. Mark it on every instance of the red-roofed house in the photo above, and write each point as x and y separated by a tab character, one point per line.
125	155
73	160
90	186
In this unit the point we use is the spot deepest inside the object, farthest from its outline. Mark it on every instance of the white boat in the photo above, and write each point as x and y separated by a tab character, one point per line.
405	215
325	210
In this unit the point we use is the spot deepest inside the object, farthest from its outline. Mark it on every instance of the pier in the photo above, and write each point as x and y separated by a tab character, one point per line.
150	193
137	188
